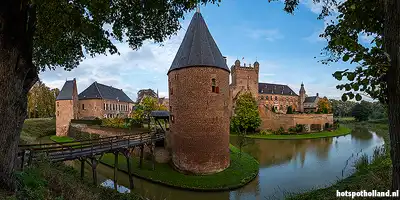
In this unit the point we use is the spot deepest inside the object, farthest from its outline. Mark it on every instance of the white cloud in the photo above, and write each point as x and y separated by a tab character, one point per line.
265	34
130	71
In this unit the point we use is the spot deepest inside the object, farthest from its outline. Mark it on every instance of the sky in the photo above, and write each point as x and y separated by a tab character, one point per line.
285	45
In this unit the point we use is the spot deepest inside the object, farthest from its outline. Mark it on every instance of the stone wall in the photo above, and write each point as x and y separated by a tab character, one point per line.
101	107
271	120
199	125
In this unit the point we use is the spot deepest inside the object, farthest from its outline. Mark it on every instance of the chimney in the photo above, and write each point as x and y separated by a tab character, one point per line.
317	94
225	59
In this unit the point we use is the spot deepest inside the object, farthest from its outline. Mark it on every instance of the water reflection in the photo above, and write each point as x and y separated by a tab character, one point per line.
285	166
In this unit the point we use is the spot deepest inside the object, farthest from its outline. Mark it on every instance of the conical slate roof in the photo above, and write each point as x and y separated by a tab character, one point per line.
198	47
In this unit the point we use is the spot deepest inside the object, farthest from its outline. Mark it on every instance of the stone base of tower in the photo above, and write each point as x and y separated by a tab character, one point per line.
211	167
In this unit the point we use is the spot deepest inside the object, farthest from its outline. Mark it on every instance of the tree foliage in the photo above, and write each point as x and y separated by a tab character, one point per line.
68	31
324	106
246	116
144	108
360	112
359	18
342	108
289	110
41	101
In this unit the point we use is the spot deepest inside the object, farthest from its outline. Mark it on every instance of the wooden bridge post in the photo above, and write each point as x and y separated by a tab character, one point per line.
127	155
82	168
153	157
141	155
94	165
115	169
22	160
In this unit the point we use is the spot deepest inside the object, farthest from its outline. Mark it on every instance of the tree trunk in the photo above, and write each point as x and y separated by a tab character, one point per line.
17	75
392	41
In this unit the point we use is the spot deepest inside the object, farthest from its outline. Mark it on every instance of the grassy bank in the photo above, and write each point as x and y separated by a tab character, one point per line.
241	171
371	173
61	139
46	181
338	132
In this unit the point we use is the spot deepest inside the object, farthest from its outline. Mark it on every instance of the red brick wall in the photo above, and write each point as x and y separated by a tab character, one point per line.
95	108
103	131
199	132
270	120
64	114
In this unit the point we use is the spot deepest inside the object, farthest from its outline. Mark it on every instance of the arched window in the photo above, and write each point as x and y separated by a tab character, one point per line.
276	98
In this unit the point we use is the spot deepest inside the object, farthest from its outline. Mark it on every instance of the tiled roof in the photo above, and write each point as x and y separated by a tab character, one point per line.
66	91
198	47
100	91
310	99
270	88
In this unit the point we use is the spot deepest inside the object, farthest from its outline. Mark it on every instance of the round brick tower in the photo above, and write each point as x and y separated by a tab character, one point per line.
198	83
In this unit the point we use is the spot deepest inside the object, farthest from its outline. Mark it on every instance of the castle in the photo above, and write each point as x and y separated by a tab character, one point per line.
98	100
245	79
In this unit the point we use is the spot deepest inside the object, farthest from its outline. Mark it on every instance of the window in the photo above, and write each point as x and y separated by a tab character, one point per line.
276	98
213	85
170	108
58	113
262	97
104	106
172	119
58	104
266	98
83	106
171	91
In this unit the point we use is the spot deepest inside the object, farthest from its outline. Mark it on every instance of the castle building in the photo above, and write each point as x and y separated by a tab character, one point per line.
198	82
278	96
96	101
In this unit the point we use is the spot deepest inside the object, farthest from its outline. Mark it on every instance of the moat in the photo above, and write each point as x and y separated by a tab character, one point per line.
285	166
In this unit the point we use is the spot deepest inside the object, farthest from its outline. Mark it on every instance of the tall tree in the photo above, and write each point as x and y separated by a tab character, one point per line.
41	101
246	116
379	71
42	34
324	106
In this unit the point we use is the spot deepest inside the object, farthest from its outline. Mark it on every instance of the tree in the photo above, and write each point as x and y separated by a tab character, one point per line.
36	35
324	106
342	108
360	112
379	65
41	101
289	110
246	116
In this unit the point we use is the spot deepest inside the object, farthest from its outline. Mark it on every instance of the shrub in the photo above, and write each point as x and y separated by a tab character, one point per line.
289	110
114	122
264	132
300	128
292	130
280	131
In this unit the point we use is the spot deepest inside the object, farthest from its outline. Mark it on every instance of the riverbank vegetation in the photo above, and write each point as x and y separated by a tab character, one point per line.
55	181
243	169
372	173
342	130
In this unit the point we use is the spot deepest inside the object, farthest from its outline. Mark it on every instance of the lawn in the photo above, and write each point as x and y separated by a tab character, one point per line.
241	171
61	139
338	132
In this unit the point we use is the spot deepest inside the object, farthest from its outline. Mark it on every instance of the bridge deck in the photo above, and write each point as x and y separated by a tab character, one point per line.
84	148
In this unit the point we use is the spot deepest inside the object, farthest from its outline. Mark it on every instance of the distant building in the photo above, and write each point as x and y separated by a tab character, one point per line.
245	79
96	101
145	93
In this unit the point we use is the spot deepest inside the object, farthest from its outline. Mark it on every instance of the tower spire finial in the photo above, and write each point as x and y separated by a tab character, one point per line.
198	8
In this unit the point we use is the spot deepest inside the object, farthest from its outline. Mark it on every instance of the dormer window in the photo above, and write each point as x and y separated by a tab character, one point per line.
214	87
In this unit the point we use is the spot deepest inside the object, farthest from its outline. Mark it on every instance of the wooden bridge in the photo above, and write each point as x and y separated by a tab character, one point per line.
91	151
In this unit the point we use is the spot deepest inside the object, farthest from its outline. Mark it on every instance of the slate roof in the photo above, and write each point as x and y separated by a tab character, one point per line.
198	48
66	91
159	114
270	88
310	99
100	91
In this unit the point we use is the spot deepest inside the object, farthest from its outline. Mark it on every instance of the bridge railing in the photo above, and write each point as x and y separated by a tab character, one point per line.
84	147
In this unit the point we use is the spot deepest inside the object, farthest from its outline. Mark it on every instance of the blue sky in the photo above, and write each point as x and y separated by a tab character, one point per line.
285	46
